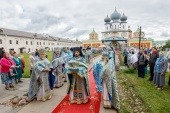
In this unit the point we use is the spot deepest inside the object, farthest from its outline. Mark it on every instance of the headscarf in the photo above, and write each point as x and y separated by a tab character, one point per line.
161	57
158	61
79	50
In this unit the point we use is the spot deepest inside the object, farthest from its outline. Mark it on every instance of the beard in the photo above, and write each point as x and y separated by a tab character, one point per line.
104	63
42	58
76	55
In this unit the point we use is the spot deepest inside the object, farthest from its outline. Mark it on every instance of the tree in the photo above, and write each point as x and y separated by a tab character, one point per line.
167	45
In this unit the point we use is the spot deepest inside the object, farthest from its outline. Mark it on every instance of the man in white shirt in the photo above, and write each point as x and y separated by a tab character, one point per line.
134	60
32	60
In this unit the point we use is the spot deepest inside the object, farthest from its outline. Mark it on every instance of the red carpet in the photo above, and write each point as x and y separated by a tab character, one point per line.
93	106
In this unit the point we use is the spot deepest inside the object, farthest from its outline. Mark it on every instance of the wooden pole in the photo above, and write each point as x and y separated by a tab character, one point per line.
139	37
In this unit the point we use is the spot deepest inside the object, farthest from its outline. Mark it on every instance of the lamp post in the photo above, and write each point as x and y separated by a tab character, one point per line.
139	37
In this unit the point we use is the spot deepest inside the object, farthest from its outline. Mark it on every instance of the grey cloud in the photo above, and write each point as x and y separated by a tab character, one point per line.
68	18
149	33
165	34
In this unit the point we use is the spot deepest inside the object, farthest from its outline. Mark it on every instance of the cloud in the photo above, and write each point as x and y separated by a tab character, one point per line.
165	34
149	33
76	19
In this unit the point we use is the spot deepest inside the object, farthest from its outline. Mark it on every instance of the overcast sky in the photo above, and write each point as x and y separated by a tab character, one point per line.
76	18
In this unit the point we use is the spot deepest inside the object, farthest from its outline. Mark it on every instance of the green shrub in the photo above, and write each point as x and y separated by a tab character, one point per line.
130	70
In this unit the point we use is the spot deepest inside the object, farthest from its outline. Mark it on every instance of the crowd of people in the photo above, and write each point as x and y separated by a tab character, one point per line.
46	75
11	68
148	59
68	65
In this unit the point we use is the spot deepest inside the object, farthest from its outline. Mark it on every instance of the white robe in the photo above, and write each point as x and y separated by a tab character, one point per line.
105	96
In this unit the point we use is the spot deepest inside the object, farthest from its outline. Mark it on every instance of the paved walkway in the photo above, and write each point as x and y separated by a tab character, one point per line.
37	106
19	90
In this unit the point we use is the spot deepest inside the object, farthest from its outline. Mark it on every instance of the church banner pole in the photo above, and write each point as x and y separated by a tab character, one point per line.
140	37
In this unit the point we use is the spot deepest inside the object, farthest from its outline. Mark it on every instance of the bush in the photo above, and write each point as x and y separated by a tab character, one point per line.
130	70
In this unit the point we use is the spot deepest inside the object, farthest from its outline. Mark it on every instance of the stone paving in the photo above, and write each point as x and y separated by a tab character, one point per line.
37	106
19	90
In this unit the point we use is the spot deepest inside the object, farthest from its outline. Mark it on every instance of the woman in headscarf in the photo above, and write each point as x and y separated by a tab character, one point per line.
160	70
7	64
18	62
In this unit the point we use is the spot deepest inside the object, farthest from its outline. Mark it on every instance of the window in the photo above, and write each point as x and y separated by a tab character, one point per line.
0	41
37	43
31	42
26	42
48	43
115	26
123	26
16	41
107	27
44	43
57	43
40	43
10	41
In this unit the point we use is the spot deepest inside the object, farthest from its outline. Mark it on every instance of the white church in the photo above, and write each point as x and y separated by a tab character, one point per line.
116	26
25	42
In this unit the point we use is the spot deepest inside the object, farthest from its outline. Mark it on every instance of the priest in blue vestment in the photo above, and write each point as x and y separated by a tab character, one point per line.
41	78
78	81
58	65
110	95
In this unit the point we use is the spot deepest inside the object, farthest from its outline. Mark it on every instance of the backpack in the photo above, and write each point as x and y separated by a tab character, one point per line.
169	81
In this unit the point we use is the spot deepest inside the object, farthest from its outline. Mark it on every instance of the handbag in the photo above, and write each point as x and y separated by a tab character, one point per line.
22	70
12	72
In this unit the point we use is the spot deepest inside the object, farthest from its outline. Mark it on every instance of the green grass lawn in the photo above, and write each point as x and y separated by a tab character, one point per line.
26	73
156	101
